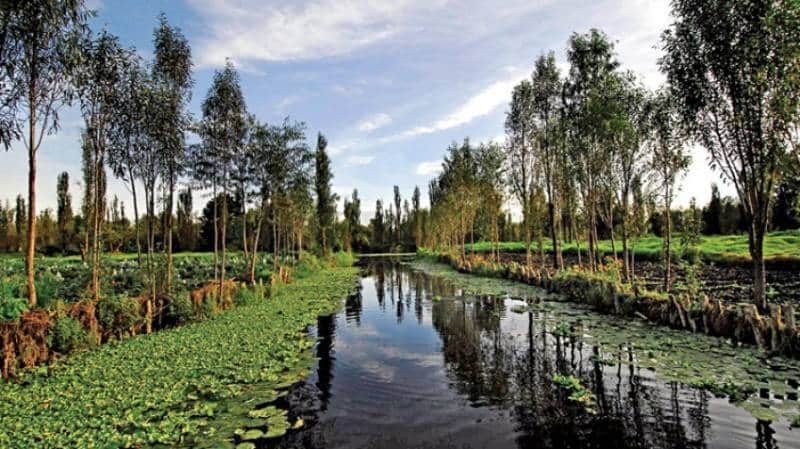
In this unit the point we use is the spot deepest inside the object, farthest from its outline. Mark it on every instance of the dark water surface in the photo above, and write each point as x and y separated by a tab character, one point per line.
401	368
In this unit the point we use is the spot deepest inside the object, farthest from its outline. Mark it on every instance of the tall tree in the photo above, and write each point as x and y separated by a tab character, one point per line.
128	133
172	76
352	218
223	130
99	84
520	154
20	222
669	161
713	213
44	47
417	222
546	86
398	215
326	199
64	210
734	72
185	221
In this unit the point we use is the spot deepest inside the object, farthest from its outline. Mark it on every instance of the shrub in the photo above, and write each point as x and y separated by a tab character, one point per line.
248	296
12	305
118	314
342	259
180	309
48	288
69	336
307	264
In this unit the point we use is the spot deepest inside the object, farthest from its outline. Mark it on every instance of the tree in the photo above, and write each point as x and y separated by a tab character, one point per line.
378	227
99	83
669	162
128	134
713	213
417	221
42	47
733	69
546	85
172	77
352	218
592	68
223	130
20	221
326	200
786	213
519	154
398	218
185	217
64	210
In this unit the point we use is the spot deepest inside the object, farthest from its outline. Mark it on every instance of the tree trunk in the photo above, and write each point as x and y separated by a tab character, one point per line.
168	233
254	253
31	249
625	253
216	232
223	241
136	218
756	238
667	252
96	217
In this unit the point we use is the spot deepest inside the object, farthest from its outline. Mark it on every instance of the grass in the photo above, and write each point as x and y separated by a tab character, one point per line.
778	246
182	386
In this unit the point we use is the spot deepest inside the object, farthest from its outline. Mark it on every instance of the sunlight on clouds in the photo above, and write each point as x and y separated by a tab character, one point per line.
252	30
377	121
429	168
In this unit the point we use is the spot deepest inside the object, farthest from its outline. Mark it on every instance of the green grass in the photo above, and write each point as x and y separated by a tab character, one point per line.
187	386
782	245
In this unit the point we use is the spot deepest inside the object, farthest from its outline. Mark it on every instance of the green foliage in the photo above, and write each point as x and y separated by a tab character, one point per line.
249	296
12	302
170	377
117	314
180	309
578	392
49	288
69	336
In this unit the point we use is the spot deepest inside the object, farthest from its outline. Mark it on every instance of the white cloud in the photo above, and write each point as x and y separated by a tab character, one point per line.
252	30
429	168
481	104
358	160
376	121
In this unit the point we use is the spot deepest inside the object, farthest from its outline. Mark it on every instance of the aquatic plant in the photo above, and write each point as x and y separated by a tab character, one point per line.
578	392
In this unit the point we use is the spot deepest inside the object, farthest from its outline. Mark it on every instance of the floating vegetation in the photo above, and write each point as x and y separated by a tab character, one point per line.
715	364
192	386
578	393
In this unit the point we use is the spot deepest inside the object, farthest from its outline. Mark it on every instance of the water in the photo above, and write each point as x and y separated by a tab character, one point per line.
399	368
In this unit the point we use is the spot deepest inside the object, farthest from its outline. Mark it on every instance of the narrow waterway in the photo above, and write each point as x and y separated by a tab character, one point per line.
412	362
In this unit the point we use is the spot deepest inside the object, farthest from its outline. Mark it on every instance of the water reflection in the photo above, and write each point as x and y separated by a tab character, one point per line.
471	373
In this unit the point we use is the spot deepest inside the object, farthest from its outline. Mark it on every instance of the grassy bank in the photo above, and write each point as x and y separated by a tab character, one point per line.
180	386
782	246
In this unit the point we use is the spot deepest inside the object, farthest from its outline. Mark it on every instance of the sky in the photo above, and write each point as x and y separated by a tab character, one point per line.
391	83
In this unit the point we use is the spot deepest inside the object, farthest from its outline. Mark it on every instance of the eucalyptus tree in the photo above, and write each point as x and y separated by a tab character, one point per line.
734	72
42	52
172	83
546	85
592	61
223	130
378	226
99	82
326	199
520	154
129	138
669	159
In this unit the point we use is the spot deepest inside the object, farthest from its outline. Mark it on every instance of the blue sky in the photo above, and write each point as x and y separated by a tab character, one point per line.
390	82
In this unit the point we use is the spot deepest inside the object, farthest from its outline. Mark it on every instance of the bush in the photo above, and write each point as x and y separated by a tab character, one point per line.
248	296
69	336
12	304
48	289
180	309
118	314
342	259
306	264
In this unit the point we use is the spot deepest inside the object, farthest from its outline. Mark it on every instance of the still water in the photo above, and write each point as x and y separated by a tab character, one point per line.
410	362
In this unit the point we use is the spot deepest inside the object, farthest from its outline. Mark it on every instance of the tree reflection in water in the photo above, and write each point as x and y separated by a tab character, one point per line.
500	363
